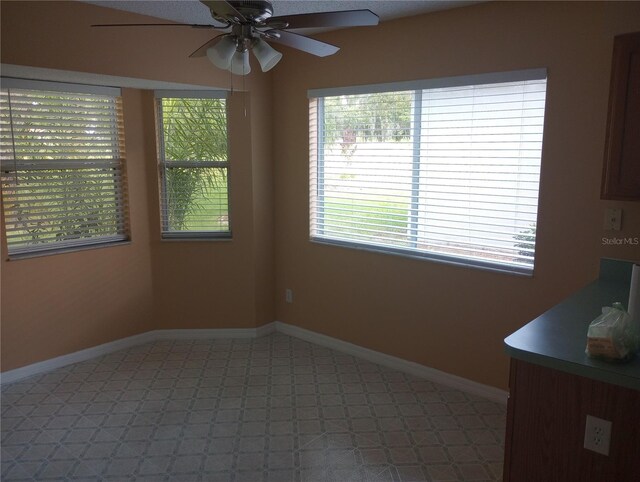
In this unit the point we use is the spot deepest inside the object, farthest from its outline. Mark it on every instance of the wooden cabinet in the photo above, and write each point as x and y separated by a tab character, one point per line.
621	174
546	418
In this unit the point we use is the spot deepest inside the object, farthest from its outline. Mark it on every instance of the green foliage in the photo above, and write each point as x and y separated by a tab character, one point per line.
377	117
526	240
67	201
193	130
81	204
367	216
197	199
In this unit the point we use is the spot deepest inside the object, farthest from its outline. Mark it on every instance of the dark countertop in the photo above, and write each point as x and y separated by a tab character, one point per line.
557	339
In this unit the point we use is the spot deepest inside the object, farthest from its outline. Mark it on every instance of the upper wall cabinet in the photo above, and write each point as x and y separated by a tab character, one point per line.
621	175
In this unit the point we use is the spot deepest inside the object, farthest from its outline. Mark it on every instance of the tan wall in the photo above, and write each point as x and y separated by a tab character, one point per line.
451	318
59	35
55	305
211	284
263	198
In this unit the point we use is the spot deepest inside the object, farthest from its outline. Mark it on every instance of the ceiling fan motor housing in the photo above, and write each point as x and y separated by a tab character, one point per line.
244	37
250	24
255	11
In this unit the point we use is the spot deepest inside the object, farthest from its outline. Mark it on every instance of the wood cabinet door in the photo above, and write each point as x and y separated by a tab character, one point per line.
546	419
621	175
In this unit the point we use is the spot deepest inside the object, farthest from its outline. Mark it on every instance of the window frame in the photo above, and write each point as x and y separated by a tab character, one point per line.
317	161
121	211
165	233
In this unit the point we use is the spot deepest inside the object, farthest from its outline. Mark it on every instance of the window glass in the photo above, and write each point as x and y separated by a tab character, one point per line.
194	167
62	156
449	172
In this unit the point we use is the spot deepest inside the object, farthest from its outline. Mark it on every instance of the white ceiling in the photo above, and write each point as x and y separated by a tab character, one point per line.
192	11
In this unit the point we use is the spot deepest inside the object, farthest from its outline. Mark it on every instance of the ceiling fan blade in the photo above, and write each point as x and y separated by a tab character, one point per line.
345	18
223	9
300	42
194	25
202	51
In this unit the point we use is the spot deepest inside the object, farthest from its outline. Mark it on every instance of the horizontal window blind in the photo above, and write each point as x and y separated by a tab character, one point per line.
194	165
62	162
450	173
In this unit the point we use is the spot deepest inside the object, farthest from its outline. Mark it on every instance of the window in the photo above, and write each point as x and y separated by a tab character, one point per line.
194	165
62	162
446	169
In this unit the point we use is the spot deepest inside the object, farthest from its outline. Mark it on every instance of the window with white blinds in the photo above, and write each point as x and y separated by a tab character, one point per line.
62	163
194	165
447	169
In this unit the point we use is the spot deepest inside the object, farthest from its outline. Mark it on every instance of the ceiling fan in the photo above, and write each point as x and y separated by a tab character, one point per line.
250	24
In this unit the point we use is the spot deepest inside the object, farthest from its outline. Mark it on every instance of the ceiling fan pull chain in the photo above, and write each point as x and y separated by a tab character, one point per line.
244	94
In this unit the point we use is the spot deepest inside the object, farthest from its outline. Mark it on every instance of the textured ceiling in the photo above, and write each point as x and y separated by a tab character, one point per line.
192	11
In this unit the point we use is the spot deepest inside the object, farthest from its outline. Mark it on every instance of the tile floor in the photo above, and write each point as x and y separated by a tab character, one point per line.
269	409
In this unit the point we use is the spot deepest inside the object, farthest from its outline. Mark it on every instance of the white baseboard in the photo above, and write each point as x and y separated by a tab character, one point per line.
123	343
422	371
75	357
431	374
206	333
267	329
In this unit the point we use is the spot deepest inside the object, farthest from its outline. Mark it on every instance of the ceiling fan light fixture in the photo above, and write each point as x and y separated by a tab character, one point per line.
266	55
221	54
240	63
247	21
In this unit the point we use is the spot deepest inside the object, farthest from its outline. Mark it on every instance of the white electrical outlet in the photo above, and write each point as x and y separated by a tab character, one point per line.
597	435
288	295
612	219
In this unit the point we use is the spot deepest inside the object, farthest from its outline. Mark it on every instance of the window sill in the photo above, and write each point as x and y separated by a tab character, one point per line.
190	237
434	257
72	249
